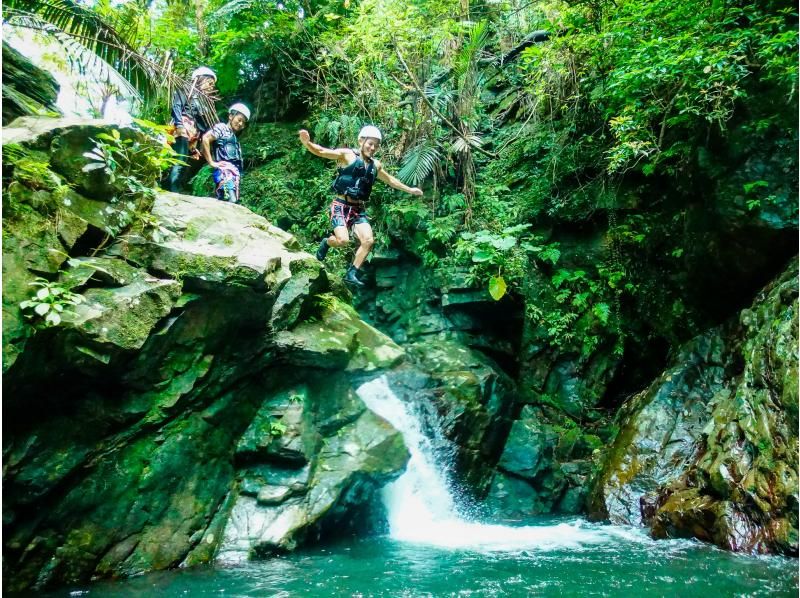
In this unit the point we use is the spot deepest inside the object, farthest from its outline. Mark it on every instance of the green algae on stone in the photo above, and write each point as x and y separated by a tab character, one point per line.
351	466
337	338
282	431
124	316
711	450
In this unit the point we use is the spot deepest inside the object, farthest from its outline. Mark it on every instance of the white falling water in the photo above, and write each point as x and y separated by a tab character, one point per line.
422	510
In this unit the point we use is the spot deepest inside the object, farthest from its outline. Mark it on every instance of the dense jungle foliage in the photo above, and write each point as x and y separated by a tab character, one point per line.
611	163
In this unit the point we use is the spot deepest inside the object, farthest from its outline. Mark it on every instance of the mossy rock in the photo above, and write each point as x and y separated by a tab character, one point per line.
211	244
337	338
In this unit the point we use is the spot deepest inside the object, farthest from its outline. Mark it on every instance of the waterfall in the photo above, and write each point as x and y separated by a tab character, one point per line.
421	509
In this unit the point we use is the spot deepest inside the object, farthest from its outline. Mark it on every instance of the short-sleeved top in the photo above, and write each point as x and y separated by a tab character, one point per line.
225	147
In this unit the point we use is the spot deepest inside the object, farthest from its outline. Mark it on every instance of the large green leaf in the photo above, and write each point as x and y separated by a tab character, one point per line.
497	287
481	255
504	243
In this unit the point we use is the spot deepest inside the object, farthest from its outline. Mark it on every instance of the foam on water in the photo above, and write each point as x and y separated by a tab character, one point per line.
422	510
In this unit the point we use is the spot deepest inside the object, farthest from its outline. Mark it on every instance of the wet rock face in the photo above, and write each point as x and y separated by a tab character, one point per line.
306	473
669	418
472	402
196	376
710	450
414	304
544	467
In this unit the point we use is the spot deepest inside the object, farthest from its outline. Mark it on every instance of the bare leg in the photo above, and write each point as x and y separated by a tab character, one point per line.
363	233
339	238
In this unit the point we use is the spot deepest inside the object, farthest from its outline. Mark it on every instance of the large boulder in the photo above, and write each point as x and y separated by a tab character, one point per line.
173	393
473	401
303	473
544	467
711	449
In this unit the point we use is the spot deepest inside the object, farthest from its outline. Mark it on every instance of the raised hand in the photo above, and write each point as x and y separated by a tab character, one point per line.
304	136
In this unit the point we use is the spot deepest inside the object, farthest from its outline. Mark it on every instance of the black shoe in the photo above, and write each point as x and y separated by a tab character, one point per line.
323	249
351	277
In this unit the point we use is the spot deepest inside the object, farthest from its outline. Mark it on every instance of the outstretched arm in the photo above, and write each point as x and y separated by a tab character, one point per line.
318	150
395	183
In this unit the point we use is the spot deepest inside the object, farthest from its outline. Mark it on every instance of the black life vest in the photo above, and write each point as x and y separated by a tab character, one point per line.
227	148
355	180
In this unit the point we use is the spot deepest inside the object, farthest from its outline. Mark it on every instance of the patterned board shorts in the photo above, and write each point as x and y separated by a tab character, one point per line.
227	180
344	214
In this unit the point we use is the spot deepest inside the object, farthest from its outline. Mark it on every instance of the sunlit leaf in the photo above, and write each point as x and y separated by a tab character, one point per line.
504	243
497	287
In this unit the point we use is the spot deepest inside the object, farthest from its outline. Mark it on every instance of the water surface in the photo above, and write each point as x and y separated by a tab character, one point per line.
433	548
620	562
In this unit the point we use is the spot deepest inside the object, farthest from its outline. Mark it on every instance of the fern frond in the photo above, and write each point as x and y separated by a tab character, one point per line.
321	127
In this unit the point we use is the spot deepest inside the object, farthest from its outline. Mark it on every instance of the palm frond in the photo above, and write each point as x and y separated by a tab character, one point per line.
419	162
84	33
476	41
441	98
231	9
463	144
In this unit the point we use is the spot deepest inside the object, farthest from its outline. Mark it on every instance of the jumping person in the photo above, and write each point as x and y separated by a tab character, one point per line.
357	172
224	154
192	116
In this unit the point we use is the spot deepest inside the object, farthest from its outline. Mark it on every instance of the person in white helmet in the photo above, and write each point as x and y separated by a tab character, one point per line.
193	114
224	154
357	172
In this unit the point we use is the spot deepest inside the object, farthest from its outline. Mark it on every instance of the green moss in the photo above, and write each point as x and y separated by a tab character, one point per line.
192	232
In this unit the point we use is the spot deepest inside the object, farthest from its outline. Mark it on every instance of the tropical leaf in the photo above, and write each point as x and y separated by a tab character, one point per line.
497	287
231	9
466	58
463	144
504	243
418	163
90	40
442	99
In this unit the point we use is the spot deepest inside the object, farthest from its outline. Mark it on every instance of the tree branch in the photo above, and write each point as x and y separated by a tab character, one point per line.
421	92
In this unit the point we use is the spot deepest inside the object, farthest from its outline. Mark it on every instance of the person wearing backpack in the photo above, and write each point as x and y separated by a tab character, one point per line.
193	114
357	171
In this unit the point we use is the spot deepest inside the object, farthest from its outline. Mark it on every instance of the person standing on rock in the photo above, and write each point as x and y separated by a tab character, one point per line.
193	114
224	154
357	171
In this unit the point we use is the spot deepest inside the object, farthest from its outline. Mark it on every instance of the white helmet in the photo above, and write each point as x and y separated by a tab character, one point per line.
242	109
370	131
204	71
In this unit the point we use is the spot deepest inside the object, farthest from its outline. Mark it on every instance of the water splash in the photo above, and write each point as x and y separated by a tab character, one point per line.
422	510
